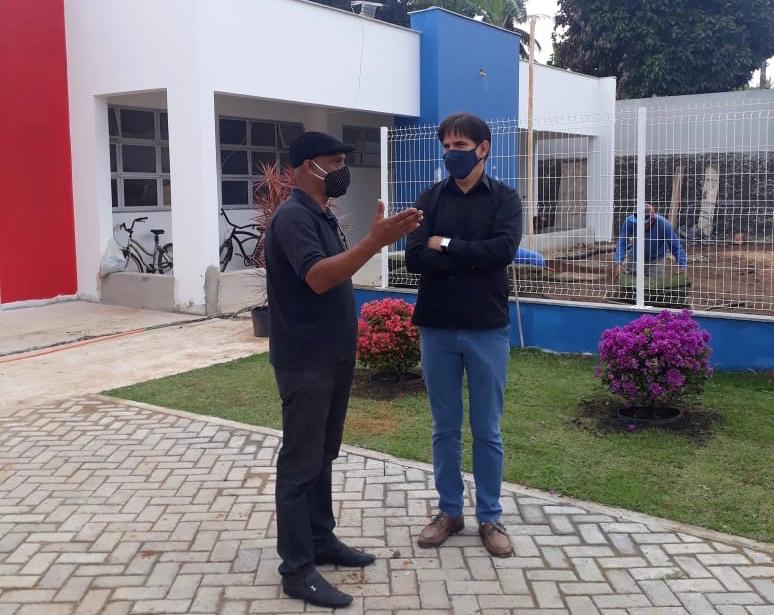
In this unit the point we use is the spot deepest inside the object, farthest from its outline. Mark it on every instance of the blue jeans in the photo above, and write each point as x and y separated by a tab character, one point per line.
484	356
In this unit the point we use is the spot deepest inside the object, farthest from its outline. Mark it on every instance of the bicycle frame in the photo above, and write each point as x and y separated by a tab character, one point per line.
136	249
239	235
247	236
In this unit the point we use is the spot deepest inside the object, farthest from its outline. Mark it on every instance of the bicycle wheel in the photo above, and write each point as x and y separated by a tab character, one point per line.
134	264
165	258
226	252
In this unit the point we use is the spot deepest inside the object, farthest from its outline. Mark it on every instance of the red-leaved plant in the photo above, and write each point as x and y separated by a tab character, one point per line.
270	190
387	342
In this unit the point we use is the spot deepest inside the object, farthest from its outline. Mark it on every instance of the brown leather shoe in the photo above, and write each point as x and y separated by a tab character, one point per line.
440	528
496	539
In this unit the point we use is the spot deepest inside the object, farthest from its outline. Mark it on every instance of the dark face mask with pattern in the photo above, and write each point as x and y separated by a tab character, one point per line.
336	182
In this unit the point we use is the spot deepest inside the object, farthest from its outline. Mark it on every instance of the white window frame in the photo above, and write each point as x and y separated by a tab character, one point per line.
248	147
119	174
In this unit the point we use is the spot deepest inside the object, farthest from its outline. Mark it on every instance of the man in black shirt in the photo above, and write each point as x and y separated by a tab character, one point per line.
470	233
312	336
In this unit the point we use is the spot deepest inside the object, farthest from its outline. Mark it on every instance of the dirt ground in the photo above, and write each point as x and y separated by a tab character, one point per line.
362	386
724	277
599	415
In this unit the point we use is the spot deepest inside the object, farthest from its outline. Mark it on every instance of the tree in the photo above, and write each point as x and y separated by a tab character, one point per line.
344	5
468	8
665	47
393	11
502	13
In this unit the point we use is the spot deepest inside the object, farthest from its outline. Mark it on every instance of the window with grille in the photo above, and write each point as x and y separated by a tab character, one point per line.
139	159
244	146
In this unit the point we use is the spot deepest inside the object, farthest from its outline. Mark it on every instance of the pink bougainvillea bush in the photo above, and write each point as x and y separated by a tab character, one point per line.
655	360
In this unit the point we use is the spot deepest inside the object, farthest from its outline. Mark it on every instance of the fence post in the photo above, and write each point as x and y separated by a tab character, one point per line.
640	241
385	195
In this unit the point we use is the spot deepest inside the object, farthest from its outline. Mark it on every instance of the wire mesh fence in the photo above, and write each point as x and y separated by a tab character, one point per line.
707	176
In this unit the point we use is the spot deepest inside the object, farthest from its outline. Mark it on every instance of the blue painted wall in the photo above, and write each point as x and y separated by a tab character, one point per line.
736	344
454	51
465	66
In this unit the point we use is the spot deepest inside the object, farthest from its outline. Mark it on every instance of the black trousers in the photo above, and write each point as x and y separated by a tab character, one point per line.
314	406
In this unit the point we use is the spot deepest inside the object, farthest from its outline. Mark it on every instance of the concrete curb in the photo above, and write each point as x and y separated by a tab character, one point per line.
654	523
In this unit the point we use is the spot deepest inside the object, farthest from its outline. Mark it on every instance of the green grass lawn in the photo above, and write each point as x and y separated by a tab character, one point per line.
724	482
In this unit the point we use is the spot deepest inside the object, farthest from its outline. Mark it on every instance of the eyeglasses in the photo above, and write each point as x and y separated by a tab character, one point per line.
333	221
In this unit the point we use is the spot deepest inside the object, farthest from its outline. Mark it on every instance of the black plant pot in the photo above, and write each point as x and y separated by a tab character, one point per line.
260	316
639	415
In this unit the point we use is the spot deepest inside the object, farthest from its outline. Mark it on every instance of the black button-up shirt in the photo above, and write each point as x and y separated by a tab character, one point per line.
306	329
467	287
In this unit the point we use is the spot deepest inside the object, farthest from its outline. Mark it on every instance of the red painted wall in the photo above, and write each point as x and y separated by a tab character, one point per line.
37	234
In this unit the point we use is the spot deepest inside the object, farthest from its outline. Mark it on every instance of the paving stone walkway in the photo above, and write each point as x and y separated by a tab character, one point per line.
114	508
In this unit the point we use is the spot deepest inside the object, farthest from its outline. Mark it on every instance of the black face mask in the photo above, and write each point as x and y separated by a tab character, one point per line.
336	182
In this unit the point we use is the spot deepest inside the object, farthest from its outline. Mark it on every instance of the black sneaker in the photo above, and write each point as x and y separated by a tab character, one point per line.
343	555
314	589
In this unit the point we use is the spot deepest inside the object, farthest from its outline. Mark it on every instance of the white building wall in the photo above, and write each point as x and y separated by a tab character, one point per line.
575	104
285	50
301	51
562	97
722	122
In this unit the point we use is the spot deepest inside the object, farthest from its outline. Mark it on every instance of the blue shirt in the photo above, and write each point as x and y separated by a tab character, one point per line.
658	238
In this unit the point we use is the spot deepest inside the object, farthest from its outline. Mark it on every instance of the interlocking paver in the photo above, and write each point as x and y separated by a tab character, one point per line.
115	508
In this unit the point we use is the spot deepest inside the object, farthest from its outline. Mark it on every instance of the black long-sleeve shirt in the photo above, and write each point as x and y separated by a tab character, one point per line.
466	287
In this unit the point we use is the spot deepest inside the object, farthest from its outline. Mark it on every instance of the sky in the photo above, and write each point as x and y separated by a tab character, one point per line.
545	26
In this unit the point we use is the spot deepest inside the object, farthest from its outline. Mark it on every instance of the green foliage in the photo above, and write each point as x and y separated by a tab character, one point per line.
393	11
500	13
665	47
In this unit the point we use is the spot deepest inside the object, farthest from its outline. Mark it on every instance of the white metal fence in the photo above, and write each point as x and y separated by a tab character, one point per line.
707	172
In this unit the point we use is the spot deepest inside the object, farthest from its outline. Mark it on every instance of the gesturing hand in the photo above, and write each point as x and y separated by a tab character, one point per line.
386	231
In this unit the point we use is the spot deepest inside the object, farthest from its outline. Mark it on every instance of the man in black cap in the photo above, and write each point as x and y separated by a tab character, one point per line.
313	332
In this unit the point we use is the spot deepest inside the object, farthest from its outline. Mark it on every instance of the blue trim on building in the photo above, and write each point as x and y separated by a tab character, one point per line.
737	344
465	65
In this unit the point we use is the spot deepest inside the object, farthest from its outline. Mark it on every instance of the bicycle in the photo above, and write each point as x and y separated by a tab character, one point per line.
240	236
161	256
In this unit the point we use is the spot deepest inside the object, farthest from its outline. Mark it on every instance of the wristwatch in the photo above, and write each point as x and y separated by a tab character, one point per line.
445	244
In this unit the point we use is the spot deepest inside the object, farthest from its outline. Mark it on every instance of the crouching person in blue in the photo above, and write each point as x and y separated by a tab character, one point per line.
469	235
659	238
312	337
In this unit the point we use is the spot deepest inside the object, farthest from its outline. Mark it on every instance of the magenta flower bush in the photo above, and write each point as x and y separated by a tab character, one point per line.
655	360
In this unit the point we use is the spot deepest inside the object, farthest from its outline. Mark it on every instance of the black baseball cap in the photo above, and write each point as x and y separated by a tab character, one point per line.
312	144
